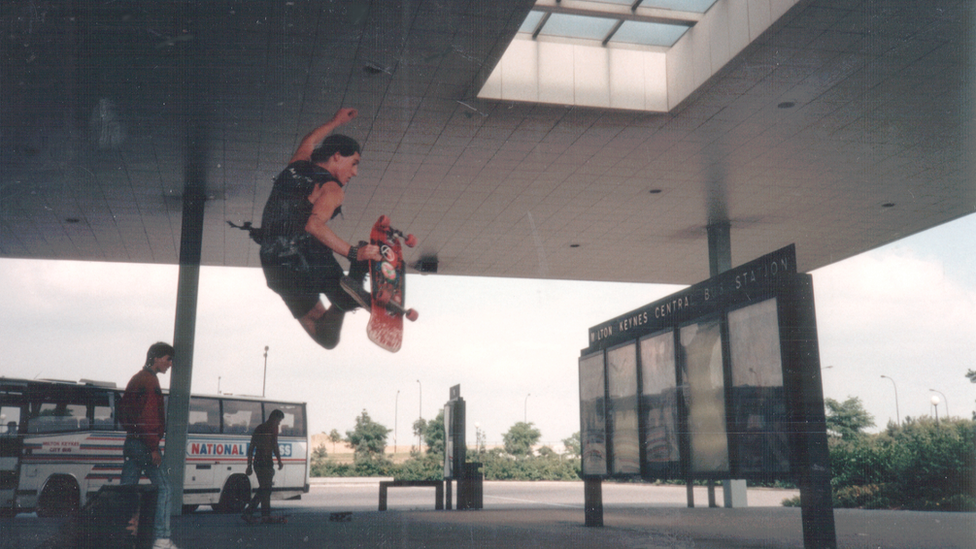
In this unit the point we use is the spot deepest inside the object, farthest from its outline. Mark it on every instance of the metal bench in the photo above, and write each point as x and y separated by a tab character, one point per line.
438	486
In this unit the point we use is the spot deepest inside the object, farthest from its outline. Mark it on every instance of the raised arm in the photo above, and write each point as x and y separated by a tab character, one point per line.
314	137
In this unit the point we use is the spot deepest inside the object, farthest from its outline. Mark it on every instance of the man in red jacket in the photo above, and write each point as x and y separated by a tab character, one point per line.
144	417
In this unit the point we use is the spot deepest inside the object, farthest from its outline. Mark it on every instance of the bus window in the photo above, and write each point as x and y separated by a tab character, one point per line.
9	420
53	417
103	415
241	416
204	415
294	423
103	418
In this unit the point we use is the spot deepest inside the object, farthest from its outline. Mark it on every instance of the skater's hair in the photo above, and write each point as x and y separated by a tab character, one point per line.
158	350
277	414
335	143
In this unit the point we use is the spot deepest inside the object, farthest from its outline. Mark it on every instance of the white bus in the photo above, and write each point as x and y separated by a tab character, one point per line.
60	442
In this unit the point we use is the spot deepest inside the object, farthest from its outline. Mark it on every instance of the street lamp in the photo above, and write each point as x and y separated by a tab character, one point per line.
420	440
525	410
896	398
944	399
265	382
935	402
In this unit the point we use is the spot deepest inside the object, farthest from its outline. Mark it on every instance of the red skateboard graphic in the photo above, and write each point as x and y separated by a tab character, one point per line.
385	327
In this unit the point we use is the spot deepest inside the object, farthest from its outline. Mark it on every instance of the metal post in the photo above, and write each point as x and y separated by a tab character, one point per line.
593	501
264	383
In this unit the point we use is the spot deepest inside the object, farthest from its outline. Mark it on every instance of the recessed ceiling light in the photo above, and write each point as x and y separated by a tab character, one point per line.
786	105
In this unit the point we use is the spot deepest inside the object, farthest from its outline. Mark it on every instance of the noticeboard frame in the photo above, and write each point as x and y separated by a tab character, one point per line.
797	404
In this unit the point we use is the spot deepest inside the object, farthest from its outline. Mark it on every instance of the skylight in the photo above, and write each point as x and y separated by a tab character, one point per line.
654	23
627	54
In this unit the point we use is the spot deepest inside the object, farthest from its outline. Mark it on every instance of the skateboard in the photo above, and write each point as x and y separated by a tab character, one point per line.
385	299
341	516
273	519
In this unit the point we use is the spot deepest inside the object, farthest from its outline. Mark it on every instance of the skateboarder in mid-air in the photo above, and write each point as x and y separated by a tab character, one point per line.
297	245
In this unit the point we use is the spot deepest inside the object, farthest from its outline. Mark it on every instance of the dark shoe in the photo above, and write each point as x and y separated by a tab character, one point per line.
328	327
356	291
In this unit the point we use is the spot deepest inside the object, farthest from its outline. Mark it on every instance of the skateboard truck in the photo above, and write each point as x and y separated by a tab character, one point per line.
365	300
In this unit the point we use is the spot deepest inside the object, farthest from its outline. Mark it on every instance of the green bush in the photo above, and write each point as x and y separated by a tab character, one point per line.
921	465
421	467
331	468
501	466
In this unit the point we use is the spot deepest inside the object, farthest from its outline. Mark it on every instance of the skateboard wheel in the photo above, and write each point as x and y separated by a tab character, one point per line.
412	315
410	241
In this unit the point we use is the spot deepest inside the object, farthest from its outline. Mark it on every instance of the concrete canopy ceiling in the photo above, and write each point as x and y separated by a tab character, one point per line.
845	126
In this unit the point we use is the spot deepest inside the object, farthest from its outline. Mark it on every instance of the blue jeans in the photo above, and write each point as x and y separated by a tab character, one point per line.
138	460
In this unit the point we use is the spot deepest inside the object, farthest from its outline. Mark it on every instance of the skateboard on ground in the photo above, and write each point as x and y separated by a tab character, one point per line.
341	516
385	300
273	519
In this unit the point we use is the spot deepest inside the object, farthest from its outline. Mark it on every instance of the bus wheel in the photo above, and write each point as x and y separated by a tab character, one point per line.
236	494
59	499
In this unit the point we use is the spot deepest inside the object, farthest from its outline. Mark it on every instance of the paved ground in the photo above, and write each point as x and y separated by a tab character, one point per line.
543	515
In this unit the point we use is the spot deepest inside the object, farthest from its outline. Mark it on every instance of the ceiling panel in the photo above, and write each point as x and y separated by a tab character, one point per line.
845	126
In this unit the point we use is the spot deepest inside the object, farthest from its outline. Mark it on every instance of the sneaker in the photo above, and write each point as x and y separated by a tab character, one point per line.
356	291
164	543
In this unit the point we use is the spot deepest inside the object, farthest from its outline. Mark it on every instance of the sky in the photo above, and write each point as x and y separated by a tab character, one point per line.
906	310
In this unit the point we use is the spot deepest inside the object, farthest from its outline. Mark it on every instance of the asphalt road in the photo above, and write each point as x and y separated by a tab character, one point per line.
539	514
350	494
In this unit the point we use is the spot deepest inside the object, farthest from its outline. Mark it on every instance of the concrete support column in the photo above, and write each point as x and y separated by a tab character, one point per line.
719	248
178	407
192	68
719	261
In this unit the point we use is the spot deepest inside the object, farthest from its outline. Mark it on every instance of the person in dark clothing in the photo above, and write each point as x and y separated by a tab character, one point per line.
264	446
144	417
297	245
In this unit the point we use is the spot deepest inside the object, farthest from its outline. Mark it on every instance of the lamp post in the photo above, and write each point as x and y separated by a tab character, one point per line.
420	415
525	409
935	402
944	399
265	382
898	418
396	405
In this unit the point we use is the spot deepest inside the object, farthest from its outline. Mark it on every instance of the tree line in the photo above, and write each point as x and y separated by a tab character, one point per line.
916	464
516	460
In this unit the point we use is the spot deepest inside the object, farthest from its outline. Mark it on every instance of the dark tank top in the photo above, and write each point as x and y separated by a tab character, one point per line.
287	211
